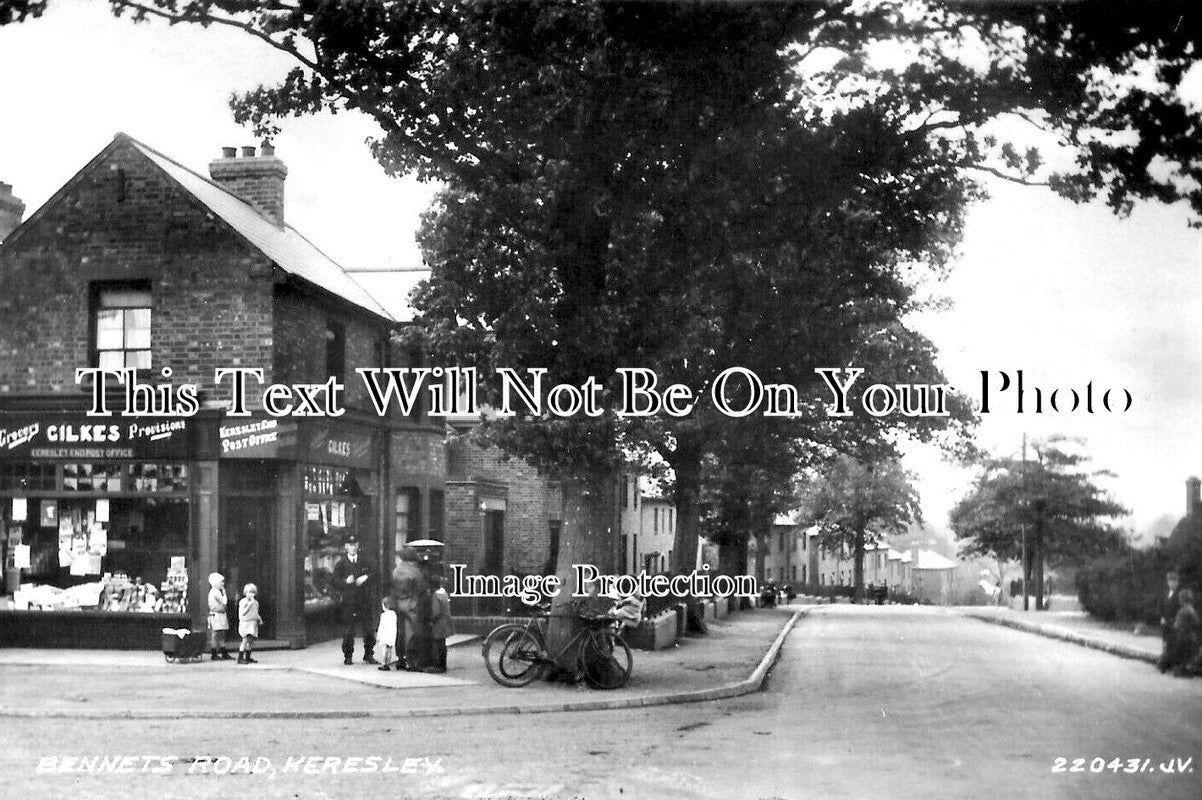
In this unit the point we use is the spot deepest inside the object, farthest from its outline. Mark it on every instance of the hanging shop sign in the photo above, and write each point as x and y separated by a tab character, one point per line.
26	437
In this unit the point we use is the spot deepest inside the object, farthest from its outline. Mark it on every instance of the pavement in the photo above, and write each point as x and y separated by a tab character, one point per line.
1076	626
733	659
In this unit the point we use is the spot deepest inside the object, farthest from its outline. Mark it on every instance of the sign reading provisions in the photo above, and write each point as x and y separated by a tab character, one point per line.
25	436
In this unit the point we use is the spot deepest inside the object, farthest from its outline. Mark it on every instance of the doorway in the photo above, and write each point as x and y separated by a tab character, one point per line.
248	556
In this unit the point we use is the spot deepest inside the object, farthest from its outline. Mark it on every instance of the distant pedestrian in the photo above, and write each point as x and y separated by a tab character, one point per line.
386	633
1168	606
219	621
440	625
1185	634
249	621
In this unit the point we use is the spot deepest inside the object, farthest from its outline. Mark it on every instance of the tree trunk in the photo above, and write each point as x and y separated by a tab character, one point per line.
857	580
587	537
686	463
1037	565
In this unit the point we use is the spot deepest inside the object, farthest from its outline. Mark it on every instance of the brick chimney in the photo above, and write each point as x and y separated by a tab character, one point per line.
11	211
1193	496
256	178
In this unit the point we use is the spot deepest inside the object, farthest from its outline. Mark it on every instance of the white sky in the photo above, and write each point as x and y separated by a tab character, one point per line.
1067	294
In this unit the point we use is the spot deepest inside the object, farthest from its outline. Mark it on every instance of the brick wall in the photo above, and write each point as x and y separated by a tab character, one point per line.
533	502
301	320
121	219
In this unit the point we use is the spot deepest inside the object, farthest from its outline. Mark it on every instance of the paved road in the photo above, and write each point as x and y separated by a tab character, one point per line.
876	702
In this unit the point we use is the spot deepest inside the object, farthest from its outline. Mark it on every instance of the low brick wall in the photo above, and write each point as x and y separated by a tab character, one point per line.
654	634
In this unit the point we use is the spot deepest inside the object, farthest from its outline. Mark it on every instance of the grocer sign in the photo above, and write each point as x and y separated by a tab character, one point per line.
25	437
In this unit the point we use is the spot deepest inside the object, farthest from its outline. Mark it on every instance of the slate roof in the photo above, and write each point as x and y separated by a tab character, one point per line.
290	251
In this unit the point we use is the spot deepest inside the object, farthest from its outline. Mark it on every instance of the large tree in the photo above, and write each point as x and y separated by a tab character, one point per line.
857	502
1049	505
681	185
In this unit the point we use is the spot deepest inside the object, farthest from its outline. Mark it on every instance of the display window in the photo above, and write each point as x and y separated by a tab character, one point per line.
335	507
106	536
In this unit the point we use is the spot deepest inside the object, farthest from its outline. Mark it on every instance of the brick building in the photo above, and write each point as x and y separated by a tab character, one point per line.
139	263
503	515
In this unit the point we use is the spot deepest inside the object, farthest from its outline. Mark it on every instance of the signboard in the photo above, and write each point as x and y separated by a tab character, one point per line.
28	437
257	438
328	445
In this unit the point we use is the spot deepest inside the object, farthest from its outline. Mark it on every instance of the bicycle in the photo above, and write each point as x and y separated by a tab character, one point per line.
516	654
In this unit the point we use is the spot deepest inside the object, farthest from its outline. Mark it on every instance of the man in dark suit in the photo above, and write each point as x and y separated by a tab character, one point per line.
1167	607
354	580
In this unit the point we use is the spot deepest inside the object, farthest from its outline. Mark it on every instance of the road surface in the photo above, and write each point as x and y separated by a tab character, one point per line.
865	702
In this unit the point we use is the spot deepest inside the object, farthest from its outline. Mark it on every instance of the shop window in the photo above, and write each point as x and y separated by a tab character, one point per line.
28	477
92	477
159	477
335	350
331	516
121	327
126	554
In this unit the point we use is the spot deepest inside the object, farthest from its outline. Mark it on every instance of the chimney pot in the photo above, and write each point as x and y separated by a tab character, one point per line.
1193	495
229	152
267	149
257	181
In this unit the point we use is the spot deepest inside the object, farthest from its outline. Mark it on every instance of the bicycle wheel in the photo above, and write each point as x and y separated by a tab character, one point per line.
605	661
514	657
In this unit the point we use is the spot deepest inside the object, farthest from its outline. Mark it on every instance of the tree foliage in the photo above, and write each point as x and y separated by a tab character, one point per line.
691	186
20	10
855	503
1053	495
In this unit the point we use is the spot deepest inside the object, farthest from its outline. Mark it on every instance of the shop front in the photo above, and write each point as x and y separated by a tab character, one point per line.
292	493
111	527
97	529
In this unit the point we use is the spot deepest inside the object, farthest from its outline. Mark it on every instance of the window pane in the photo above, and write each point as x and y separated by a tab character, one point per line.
108	339
124	298
137	335
138	359
109	320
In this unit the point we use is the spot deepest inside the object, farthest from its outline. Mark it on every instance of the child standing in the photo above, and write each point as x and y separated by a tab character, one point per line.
386	632
219	622
249	621
440	625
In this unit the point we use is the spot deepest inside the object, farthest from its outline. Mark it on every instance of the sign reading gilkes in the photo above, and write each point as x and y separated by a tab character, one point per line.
329	445
26	437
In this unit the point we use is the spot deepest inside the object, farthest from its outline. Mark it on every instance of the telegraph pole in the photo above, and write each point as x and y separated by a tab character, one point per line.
1023	529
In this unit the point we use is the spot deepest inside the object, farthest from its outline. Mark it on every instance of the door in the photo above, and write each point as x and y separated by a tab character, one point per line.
247	556
494	542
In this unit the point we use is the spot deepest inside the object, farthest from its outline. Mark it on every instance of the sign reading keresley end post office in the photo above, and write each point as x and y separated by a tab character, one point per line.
77	436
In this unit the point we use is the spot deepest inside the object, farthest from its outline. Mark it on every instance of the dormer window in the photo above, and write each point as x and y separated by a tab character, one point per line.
122	327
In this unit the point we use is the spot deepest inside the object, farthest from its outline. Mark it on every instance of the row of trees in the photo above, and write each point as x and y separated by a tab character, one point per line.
691	186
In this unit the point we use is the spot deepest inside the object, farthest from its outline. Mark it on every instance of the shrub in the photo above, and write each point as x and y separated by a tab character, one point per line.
1124	587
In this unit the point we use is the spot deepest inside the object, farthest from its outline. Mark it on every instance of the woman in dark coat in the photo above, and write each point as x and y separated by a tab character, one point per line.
411	594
